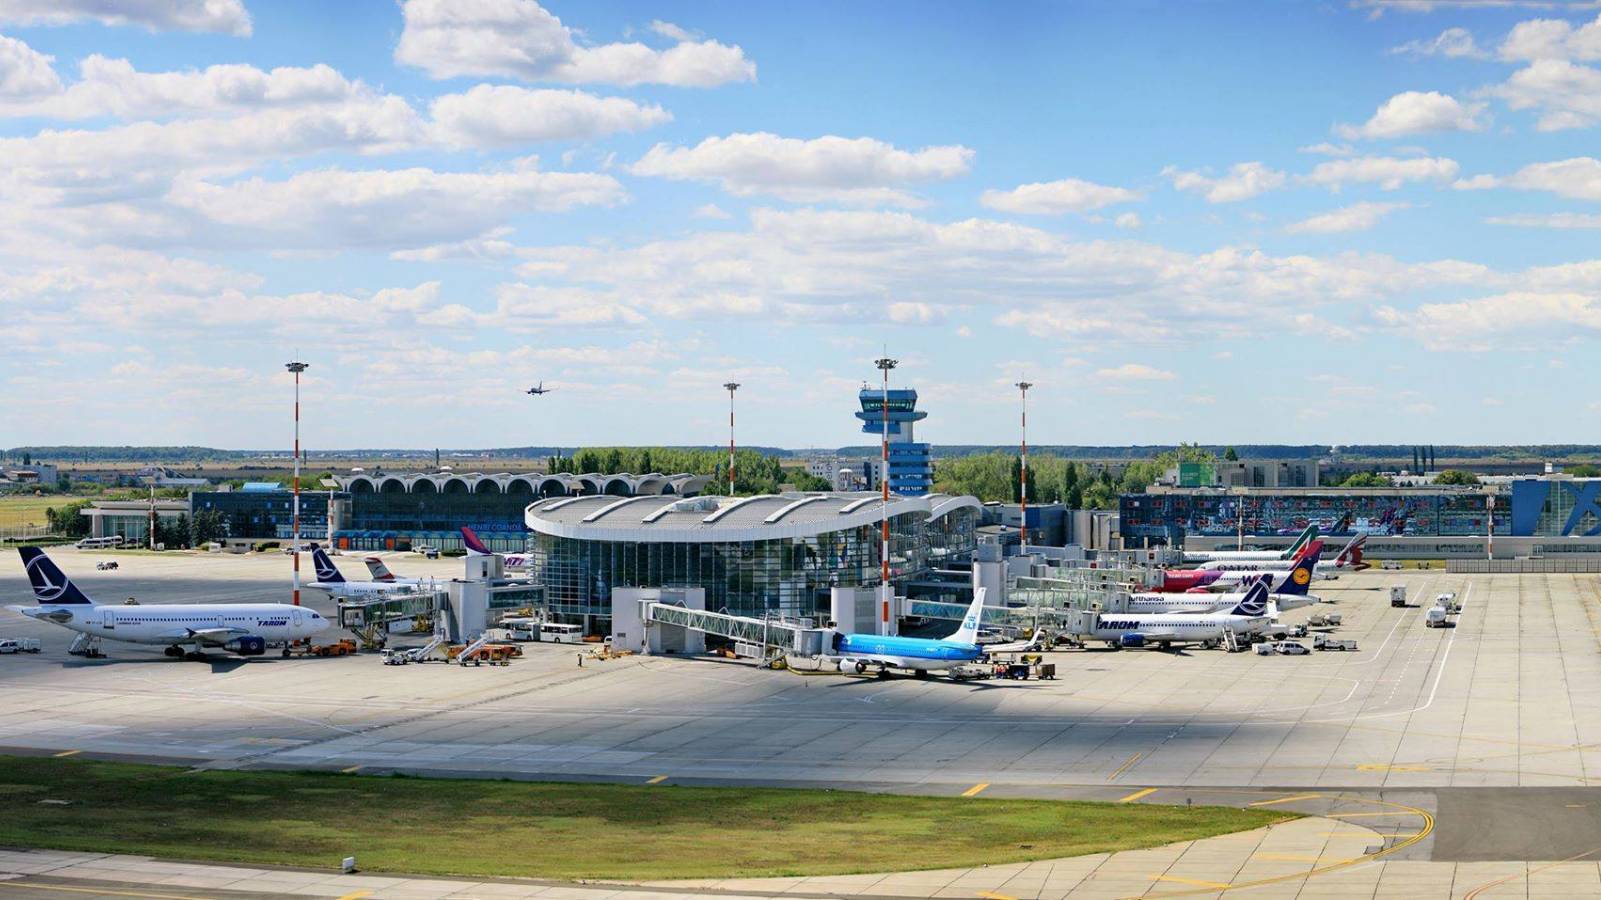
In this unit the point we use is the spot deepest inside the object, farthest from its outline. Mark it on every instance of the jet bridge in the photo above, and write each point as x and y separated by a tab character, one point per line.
673	620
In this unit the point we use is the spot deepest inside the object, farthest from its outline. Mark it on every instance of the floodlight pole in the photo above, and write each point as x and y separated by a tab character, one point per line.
294	519
885	364
732	386
1022	472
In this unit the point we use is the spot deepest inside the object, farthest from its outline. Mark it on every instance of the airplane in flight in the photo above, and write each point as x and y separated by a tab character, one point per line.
540	390
330	581
1164	630
923	655
1286	590
186	629
1201	556
475	547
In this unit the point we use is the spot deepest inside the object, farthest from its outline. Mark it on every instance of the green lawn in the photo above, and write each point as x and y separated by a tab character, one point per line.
537	829
19	510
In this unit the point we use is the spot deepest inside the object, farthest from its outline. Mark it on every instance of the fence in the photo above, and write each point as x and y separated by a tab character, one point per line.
1523	566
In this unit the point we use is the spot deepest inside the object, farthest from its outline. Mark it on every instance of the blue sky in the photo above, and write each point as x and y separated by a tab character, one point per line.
1224	222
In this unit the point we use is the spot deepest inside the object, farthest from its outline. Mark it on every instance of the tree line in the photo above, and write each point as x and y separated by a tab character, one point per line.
754	472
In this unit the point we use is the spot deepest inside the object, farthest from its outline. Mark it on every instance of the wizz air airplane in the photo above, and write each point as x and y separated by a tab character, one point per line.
920	655
187	629
475	547
1234	555
330	581
1286	590
1249	615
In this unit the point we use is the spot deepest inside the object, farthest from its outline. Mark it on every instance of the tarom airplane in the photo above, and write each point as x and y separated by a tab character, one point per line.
1195	556
475	547
186	629
1166	629
922	655
330	581
1287	590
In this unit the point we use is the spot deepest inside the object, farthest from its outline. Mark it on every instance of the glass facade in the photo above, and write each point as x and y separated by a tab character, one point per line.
1443	513
1556	507
267	514
781	576
400	520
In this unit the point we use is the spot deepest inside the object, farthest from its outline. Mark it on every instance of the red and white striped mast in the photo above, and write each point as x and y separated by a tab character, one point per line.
732	386
296	368
1022	471
884	365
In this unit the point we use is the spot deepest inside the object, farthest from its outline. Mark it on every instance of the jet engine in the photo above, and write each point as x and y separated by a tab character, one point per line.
1132	639
247	646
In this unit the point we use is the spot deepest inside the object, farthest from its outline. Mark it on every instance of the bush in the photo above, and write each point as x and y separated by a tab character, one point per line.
264	546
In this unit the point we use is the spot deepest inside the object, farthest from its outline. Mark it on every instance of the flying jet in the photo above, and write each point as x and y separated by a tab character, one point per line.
922	655
540	389
331	582
186	629
475	547
1306	536
1250	614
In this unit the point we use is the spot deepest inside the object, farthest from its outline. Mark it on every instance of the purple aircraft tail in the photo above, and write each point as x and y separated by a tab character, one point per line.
474	546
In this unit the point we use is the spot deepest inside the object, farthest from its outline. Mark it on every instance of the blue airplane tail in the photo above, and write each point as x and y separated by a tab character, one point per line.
50	584
326	570
1254	603
1298	581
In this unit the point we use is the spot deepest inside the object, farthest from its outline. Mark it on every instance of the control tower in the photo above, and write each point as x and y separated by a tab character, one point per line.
911	470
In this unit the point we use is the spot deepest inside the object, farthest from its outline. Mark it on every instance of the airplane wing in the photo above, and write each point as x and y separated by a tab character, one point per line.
1033	643
216	636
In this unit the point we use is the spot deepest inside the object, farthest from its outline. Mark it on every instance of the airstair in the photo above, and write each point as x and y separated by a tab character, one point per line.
86	645
422	654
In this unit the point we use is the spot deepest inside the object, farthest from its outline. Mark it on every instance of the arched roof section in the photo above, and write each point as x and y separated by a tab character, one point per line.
424	485
360	485
455	486
392	485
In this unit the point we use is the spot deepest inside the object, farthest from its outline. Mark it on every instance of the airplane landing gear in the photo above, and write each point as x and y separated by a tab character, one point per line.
286	651
174	651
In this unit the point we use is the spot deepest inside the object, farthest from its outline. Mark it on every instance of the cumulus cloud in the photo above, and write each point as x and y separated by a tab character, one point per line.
1133	372
1563	220
1578	178
1327	149
1417	112
1128	220
1243	181
1476	183
1539	39
503	115
1053	198
520	39
1565	95
836	169
25	73
1388	172
1454	43
382	208
1490	322
1356	217
113	87
224	16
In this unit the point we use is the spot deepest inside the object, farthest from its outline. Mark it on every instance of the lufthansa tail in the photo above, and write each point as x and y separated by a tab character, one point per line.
50	585
1301	576
475	547
326	571
968	633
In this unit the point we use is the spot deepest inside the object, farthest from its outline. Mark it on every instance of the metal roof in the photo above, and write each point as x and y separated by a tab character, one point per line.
709	518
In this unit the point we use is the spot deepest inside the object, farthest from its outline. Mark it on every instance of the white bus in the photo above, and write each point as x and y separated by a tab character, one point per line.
100	543
556	633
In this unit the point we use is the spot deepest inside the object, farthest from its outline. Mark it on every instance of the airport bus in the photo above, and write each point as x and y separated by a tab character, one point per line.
100	543
557	633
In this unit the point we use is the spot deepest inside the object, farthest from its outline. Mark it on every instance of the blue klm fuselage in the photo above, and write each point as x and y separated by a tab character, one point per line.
906	648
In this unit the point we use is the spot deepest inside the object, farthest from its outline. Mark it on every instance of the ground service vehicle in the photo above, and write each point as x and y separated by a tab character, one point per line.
1437	617
557	633
1398	595
1327	643
1324	620
19	645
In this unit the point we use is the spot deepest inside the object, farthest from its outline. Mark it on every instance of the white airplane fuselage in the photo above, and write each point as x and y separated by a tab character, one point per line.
196	624
363	588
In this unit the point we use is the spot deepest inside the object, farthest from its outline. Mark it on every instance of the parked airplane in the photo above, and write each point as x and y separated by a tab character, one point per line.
1166	629
1349	557
921	655
475	547
330	581
1287	589
1305	537
380	573
187	629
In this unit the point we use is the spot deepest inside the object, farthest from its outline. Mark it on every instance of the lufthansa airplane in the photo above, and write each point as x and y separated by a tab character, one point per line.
186	629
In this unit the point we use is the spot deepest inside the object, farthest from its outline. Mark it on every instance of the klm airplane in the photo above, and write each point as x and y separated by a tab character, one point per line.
920	655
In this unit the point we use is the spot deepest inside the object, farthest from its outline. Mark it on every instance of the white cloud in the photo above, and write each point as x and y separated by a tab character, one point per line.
520	39
1566	95
522	307
1053	198
1455	43
830	168
224	16
1539	39
382	208
486	247
25	73
1492	322
1356	217
672	32
1476	183
1133	372
1243	181
1328	149
1128	220
503	115
1564	220
1417	112
710	211
112	87
1578	178
1388	172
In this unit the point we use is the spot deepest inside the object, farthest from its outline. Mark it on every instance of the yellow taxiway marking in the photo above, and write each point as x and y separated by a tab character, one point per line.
356	895
1291	857
67	753
351	770
1385	767
1285	799
1124	767
976	789
1194	881
33	886
991	895
1137	795
1366	815
657	780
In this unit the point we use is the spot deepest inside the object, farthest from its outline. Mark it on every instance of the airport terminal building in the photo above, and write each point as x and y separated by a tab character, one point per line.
763	555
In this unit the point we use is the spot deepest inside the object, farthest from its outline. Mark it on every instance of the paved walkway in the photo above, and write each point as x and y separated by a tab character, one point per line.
1307	858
